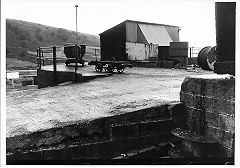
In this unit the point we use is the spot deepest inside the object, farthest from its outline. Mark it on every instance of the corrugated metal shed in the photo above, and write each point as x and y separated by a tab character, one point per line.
136	35
133	32
113	41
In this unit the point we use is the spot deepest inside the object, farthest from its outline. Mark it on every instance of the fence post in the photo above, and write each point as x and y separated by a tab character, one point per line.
37	59
190	52
43	59
95	53
39	55
54	65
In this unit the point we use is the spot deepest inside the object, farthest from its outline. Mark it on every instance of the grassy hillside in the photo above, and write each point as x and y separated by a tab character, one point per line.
22	37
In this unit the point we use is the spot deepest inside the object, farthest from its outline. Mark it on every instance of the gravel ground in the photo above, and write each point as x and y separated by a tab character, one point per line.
39	109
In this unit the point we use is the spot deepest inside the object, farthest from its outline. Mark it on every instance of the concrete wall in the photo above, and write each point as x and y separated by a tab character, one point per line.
99	130
140	52
46	78
210	108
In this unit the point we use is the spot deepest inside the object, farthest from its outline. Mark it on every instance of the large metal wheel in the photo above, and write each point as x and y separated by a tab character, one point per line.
120	70
99	67
109	68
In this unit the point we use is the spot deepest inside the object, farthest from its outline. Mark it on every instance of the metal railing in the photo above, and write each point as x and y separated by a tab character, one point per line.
193	51
54	54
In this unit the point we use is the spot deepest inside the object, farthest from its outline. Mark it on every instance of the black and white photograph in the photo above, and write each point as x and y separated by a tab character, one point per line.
118	82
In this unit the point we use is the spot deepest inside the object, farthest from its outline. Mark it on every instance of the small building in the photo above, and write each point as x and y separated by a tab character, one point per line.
137	41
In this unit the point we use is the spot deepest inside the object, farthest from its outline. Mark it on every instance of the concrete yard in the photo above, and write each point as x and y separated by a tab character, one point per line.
34	110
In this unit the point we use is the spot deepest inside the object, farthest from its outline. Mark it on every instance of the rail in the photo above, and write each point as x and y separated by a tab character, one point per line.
52	55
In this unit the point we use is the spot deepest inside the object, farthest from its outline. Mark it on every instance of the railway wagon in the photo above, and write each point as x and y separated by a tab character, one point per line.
70	52
110	66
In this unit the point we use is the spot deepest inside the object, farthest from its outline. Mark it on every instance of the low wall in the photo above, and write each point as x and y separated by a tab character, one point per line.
45	144
210	108
46	78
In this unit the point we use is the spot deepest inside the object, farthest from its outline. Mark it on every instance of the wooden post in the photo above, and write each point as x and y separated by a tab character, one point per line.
54	65
12	83
95	53
38	62
190	52
39	54
42	58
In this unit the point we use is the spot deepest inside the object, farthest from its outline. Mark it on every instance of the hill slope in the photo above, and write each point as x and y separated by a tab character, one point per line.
22	36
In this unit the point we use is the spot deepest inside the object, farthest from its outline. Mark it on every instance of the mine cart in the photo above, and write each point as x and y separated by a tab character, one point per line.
110	66
70	52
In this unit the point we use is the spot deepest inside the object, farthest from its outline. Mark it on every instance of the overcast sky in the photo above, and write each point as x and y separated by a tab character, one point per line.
195	18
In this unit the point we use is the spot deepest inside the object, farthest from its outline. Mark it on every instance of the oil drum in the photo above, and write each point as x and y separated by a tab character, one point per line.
207	57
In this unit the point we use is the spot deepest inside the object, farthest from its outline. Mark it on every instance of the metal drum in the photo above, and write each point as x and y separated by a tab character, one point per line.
207	57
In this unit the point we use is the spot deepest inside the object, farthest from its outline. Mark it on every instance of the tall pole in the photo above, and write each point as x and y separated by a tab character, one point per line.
76	47
54	66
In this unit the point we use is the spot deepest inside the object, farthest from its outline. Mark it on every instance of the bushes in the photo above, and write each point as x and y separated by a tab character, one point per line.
62	34
39	37
24	44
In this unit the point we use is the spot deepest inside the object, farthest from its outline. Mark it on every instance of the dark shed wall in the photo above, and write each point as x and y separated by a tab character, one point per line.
131	32
113	43
140	36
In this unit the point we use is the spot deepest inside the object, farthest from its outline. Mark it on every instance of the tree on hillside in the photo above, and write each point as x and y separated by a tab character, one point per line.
38	34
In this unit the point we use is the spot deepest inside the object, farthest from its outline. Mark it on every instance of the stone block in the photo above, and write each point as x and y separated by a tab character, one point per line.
224	122
196	120
14	143
34	155
124	131
210	108
191	100
192	85
176	109
226	139
139	115
51	154
219	88
177	112
197	149
218	105
77	152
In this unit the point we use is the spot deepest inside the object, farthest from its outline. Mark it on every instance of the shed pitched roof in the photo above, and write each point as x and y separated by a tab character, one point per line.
156	34
139	22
